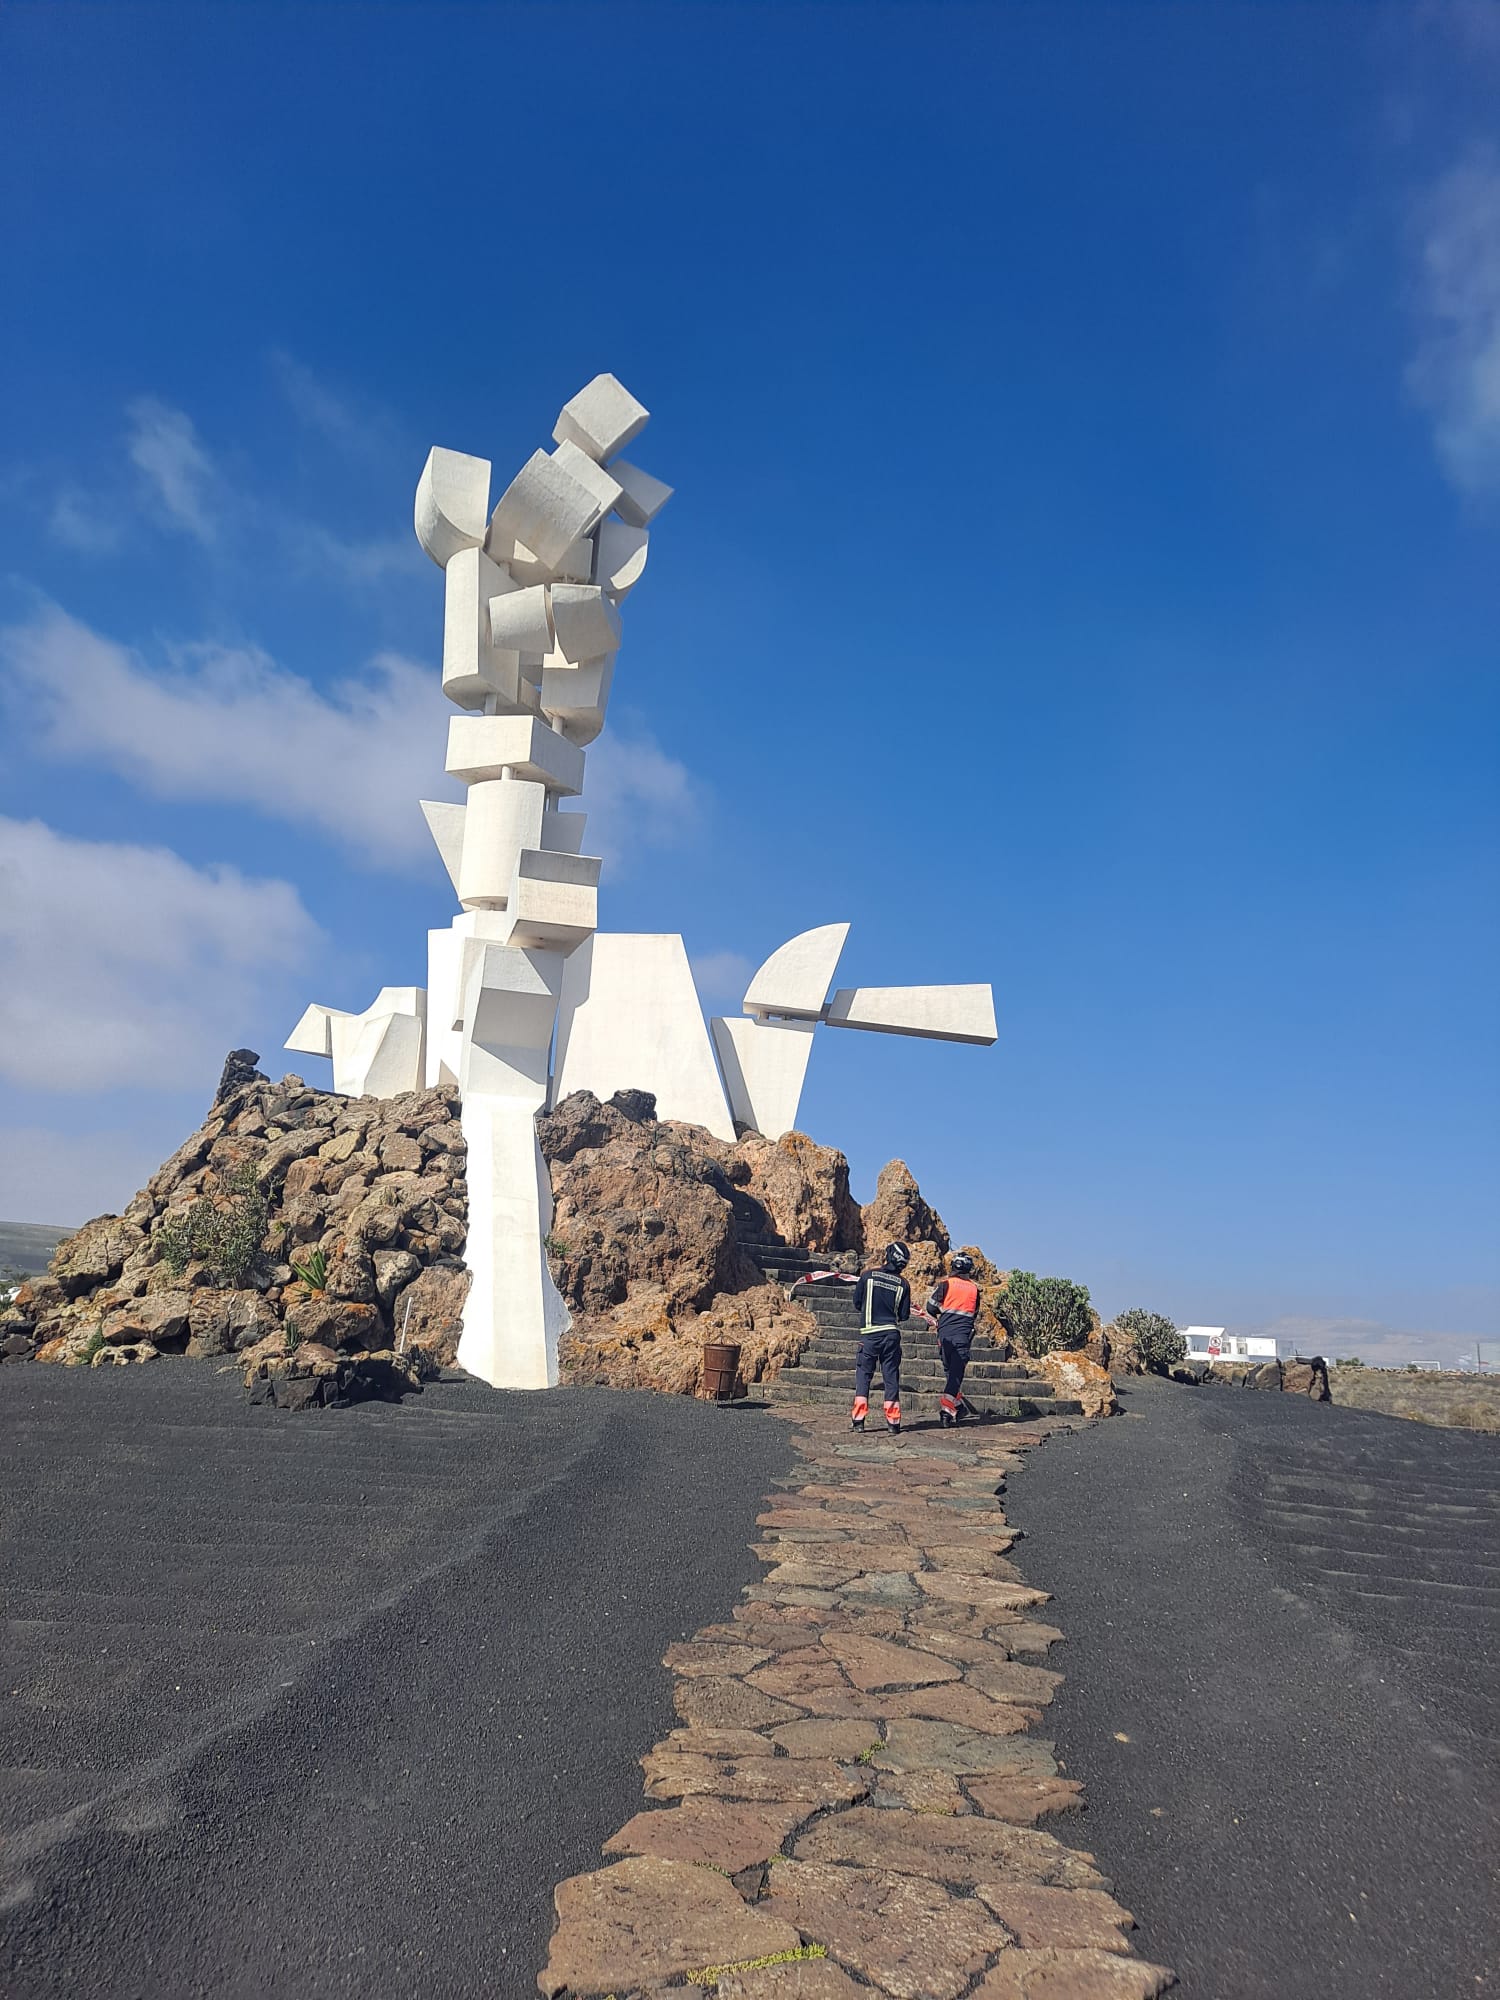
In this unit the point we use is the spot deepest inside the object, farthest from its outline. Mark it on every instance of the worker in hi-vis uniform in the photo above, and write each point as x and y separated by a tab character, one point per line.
883	1300
955	1300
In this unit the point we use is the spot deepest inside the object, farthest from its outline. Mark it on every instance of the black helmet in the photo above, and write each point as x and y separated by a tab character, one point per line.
897	1256
961	1264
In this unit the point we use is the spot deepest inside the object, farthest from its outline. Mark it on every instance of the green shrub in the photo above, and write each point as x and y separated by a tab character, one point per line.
92	1345
1157	1340
1045	1314
224	1235
1348	1361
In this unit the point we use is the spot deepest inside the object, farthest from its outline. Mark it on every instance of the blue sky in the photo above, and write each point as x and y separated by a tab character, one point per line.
1084	574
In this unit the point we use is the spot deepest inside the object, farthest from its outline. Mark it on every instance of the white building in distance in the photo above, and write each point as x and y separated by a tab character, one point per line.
1215	1343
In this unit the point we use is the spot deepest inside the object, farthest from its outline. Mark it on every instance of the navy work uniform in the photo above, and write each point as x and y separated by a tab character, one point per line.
955	1301
883	1301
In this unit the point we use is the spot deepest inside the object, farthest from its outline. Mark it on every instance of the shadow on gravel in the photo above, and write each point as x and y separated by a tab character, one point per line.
1280	1695
325	1703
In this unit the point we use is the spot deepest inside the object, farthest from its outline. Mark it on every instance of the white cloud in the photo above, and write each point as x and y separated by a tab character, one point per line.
166	451
1456	371
127	966
228	724
318	549
79	524
637	797
722	976
362	431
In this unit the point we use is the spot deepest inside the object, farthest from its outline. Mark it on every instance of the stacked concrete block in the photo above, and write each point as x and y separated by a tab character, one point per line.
601	419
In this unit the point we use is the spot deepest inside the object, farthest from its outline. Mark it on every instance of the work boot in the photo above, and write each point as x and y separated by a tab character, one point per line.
947	1419
856	1423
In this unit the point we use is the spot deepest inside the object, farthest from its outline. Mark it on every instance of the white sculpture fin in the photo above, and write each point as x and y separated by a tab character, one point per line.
445	822
795	979
764	1065
936	1013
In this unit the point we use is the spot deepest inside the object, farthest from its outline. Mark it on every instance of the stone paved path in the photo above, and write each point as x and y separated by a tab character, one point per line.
853	1800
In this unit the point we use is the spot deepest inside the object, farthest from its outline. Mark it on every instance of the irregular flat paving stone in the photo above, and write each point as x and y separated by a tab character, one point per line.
709	1658
919	1791
644	1921
977	1590
844	1741
1021	1798
728	1704
882	1587
727	1834
908	1937
943	1746
959	1704
964	1853
719	1743
808	1781
877	1663
808	1979
1072	1975
793	1676
1074	1919
841	1702
785	1593
810	1573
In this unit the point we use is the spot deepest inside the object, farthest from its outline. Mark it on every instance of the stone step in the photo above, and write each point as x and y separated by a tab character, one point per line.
825	1355
925	1378
919	1407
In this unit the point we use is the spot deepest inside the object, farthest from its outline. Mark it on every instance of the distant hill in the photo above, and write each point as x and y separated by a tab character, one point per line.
26	1246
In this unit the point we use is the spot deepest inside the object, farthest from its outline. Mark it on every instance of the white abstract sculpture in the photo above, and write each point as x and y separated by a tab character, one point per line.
531	631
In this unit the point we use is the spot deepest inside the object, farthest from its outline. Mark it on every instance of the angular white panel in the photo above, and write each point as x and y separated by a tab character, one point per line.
935	1013
562	832
642	497
586	623
386	1059
486	746
601	419
453	497
378	1053
313	1034
764	1064
545	508
631	1020
604	487
509	999
796	977
445	822
621	557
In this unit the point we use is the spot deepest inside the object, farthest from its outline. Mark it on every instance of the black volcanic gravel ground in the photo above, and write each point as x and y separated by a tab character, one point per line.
1281	1628
325	1704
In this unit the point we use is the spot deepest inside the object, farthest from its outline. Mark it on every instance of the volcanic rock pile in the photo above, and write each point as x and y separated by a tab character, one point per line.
319	1240
291	1219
